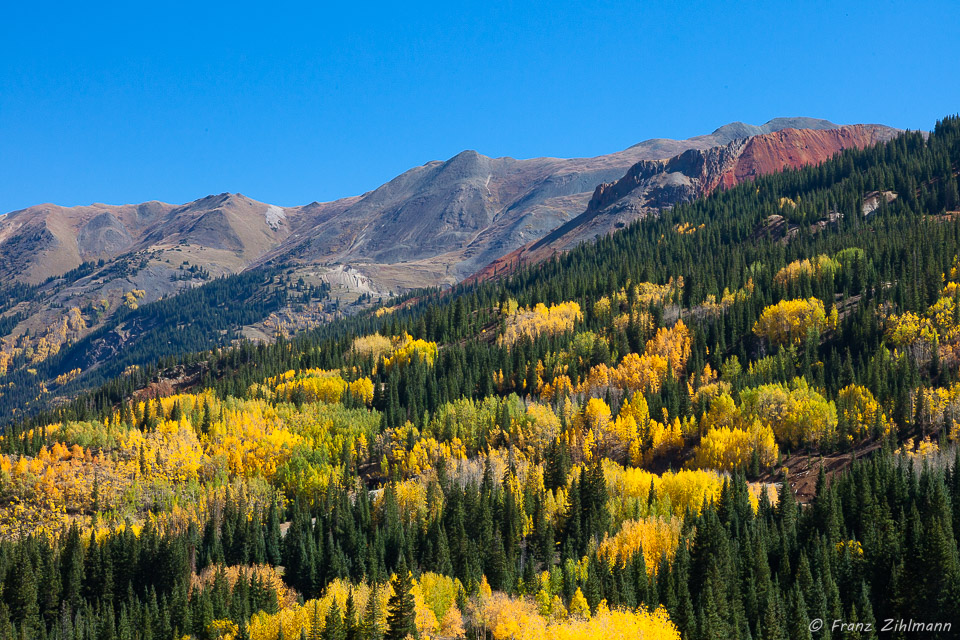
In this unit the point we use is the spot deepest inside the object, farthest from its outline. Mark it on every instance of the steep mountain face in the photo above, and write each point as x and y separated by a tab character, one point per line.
451	217
64	272
47	240
651	185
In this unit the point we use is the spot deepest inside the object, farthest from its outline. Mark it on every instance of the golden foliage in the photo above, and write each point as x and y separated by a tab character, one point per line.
406	460
854	546
686	228
647	293
130	298
142	463
406	348
64	378
371	346
913	334
75	321
313	385
674	491
920	450
269	576
313	613
942	406
672	344
727	299
657	536
733	448
858	413
819	267
434	597
540	320
797	414
506	618
788	321
667	351
937	330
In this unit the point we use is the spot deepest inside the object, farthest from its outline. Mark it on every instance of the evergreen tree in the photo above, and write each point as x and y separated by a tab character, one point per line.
333	628
371	627
351	620
401	609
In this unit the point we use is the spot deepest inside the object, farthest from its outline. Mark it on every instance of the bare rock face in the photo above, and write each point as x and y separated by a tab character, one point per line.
104	235
793	148
21	244
653	185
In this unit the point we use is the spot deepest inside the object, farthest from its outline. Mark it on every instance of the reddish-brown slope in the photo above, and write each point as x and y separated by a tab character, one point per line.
794	148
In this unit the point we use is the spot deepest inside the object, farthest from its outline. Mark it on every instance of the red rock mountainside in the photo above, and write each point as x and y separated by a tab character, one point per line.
651	185
793	148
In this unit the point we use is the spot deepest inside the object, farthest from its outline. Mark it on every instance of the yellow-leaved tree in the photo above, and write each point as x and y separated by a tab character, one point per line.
789	321
797	414
859	414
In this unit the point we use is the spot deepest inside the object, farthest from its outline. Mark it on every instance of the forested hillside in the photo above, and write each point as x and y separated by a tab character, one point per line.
592	447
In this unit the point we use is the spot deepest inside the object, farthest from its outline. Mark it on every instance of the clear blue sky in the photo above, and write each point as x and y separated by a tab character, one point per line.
290	103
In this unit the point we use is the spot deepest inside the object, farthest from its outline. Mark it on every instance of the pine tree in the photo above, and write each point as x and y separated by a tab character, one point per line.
24	606
770	625
316	623
371	627
401	608
351	622
333	626
798	621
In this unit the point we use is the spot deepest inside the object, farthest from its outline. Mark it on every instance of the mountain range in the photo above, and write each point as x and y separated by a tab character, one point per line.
434	225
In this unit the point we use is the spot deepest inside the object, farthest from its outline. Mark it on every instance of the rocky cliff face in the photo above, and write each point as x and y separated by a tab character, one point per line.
651	185
793	148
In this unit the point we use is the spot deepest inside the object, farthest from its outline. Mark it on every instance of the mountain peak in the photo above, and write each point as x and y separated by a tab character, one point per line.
797	122
660	148
739	130
213	201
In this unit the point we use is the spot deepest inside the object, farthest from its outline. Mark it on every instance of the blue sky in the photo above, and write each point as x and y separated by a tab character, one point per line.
290	103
